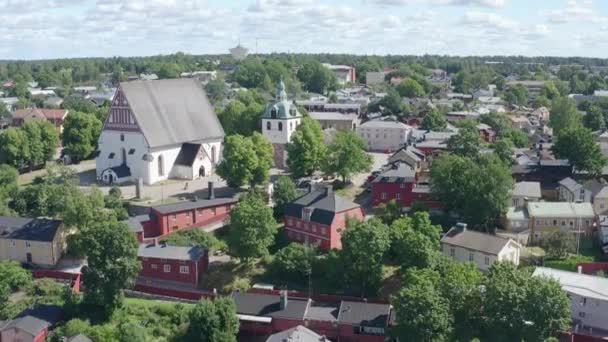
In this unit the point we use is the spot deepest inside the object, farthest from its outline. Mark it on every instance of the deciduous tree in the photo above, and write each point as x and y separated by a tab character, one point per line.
246	160
252	228
307	150
415	241
410	88
214	321
346	156
563	114
467	142
577	144
434	121
80	134
284	192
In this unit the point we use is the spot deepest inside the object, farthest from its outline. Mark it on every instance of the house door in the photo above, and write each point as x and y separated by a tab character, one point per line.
201	172
28	257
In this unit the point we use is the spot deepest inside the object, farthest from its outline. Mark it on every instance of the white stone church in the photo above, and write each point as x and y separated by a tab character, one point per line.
158	130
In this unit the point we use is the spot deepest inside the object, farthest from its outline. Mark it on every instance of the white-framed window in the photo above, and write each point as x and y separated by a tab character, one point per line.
314	228
486	260
471	257
383	195
305	226
166	268
323	231
154	266
452	252
398	196
402	185
28	244
184	269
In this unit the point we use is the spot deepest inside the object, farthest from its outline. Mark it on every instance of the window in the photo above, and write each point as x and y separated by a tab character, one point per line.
154	266
131	151
515	202
122	137
161	166
28	244
398	196
471	257
280	126
268	125
213	154
584	301
305	226
167	268
487	260
298	224
555	222
383	195
322	230
184	269
581	314
314	228
452	252
306	214
111	156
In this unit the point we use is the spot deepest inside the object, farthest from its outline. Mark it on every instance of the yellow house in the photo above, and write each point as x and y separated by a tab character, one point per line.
40	242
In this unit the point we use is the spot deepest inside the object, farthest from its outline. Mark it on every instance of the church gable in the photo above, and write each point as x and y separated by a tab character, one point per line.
121	117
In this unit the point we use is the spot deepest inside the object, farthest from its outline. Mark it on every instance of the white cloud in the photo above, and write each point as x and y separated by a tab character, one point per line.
576	11
486	20
480	3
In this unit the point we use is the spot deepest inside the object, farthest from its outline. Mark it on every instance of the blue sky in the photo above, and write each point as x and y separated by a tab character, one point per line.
35	29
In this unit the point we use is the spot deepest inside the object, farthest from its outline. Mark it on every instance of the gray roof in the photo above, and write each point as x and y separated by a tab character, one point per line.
397	173
324	202
594	186
189	205
268	305
560	210
172	111
187	154
327	312
527	189
164	251
31	229
570	184
473	240
407	154
332	116
135	222
364	314
581	284
297	334
384	124
431	135
36	319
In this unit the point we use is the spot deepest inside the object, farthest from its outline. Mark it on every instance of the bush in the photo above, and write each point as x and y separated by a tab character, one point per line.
197	237
294	263
13	275
569	263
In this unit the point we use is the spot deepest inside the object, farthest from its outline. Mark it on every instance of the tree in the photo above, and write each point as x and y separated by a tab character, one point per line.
519	307
252	228
317	78
252	74
424	314
14	276
169	70
307	150
241	118
467	142
461	285
517	95
476	189
42	140
389	212
216	91
14	147
363	247
245	160
578	145
517	137
595	120
82	210
563	114
415	241
390	104
284	192
294	262
559	244
346	155
111	251
214	321
76	103
503	148
541	101
434	121
265	161
118	75
550	91
80	134
410	88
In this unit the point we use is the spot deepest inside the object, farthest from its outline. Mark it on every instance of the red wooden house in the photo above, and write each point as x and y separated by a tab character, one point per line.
345	321
400	182
168	218
33	324
173	263
54	116
319	218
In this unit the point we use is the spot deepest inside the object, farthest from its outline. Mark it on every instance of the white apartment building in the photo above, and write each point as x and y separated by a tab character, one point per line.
384	135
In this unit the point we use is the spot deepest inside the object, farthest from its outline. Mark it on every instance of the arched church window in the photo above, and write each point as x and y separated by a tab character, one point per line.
268	125
280	126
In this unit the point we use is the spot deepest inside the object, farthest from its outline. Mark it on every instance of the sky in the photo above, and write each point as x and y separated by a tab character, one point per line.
40	29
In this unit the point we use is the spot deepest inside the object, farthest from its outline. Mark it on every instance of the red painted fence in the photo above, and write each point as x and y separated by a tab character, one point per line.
74	278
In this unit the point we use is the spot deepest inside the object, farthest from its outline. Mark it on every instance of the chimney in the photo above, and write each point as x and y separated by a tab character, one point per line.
580	269
329	190
283	300
461	226
211	191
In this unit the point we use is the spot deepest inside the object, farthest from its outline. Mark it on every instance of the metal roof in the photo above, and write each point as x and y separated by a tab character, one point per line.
527	189
164	251
560	209
172	111
197	204
333	116
580	284
325	203
297	334
269	305
364	314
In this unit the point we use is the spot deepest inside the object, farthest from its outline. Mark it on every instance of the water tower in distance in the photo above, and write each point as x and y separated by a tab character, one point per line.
238	52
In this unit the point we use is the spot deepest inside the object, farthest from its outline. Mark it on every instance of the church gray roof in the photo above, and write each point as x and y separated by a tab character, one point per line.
172	111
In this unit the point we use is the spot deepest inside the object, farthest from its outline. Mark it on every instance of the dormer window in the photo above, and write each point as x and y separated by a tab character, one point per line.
273	113
306	214
292	111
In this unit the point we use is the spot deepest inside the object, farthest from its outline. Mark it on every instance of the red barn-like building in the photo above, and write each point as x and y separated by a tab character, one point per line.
319	218
169	218
173	263
399	182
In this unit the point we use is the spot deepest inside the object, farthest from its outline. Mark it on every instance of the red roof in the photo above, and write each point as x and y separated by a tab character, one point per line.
48	113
